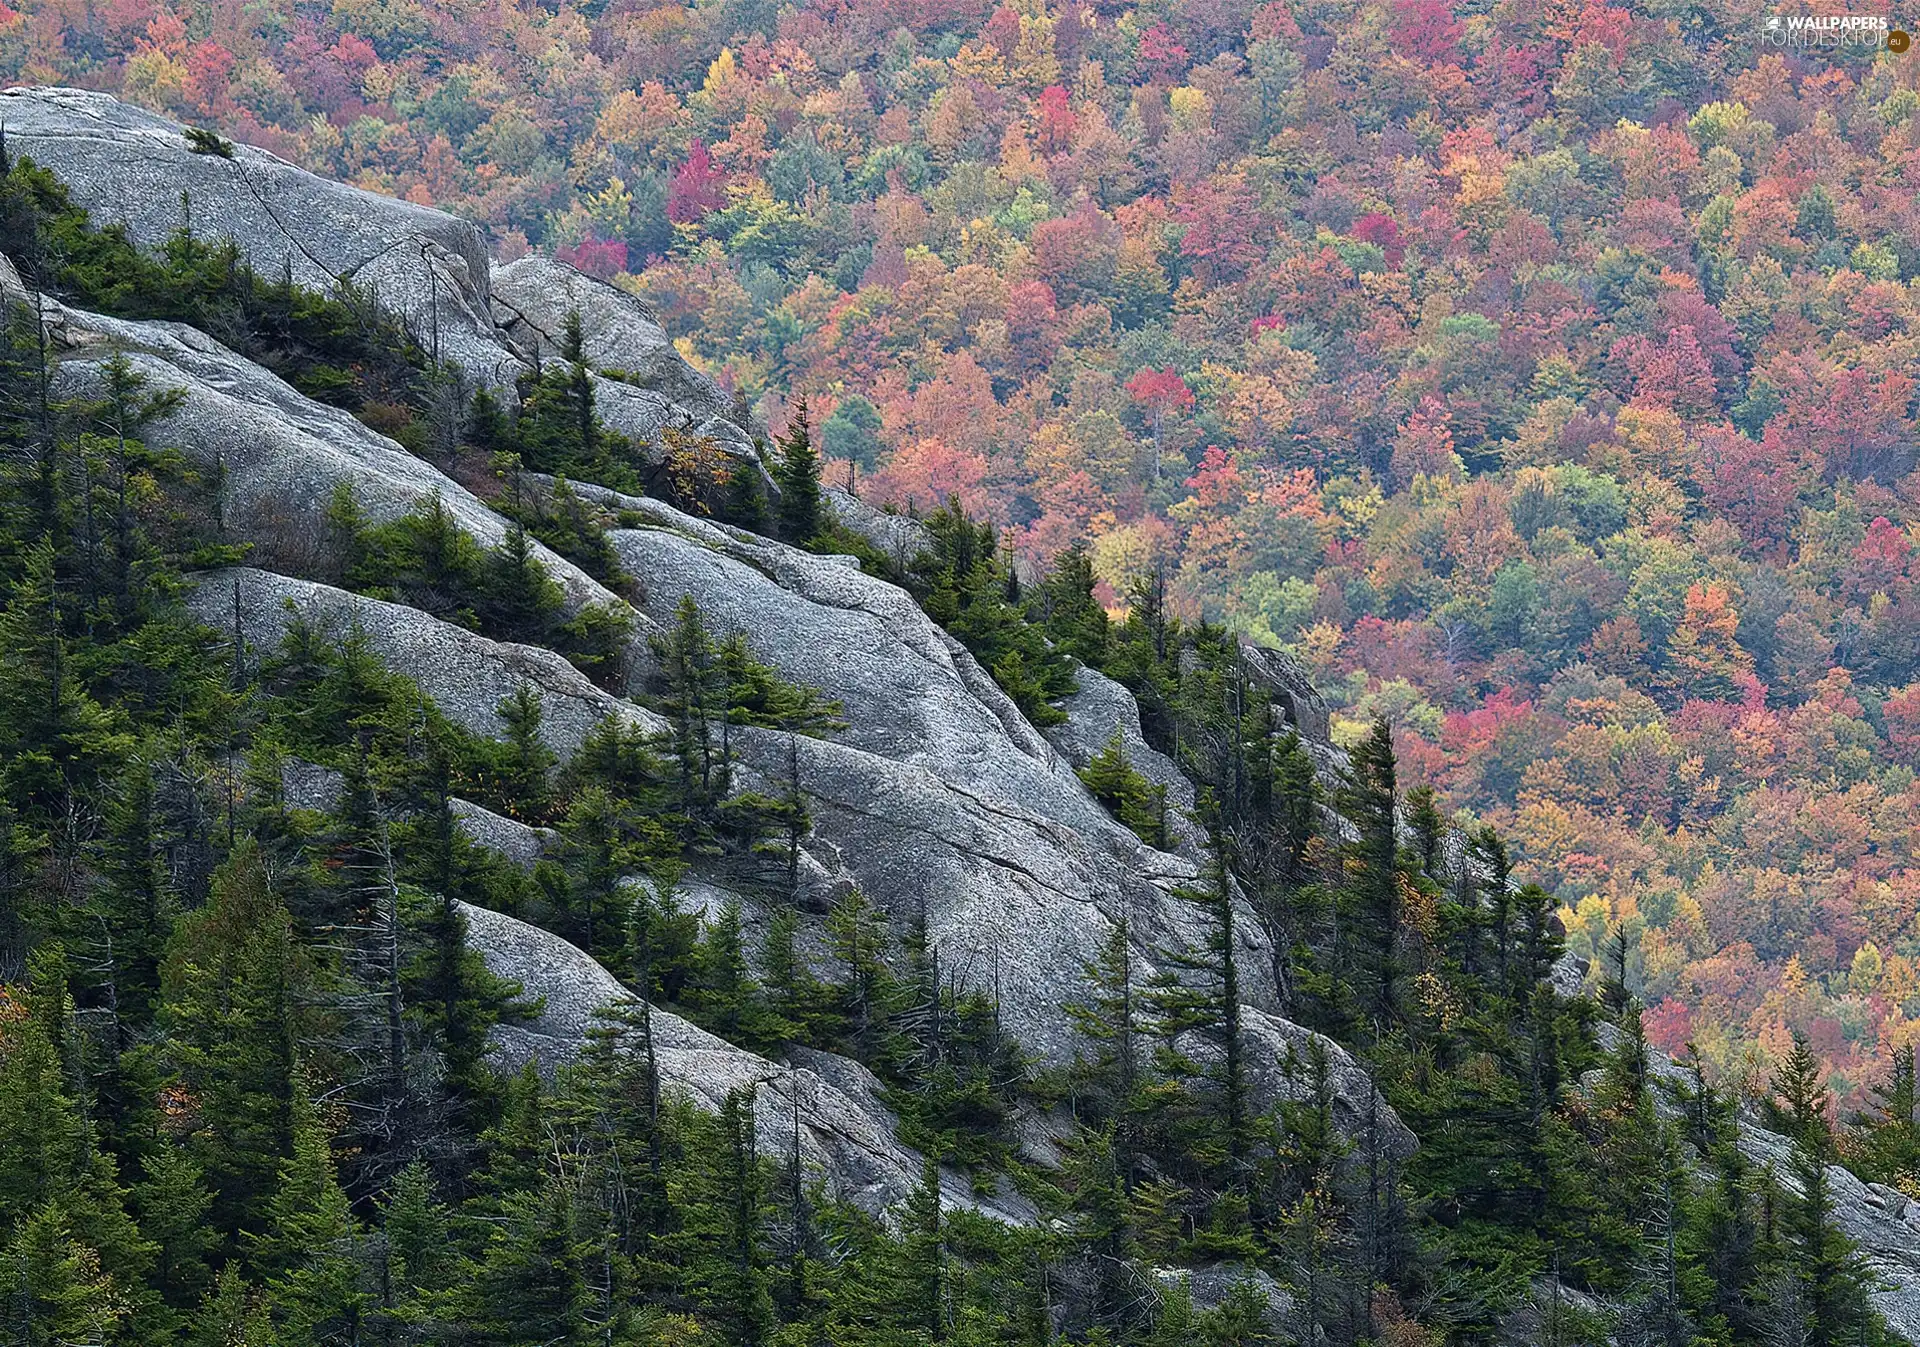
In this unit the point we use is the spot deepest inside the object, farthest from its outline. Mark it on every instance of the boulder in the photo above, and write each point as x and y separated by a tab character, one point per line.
1213	1285
1880	1222
1293	691
520	843
898	537
1278	1067
845	1133
430	269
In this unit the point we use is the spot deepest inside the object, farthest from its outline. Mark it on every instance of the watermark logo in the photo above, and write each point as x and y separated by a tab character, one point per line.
1833	31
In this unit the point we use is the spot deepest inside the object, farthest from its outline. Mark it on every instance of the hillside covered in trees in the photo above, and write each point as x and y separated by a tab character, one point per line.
1540	373
463	881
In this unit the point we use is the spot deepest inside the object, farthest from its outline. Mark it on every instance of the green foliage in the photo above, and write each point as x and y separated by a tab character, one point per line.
202	141
967	586
1128	796
797	474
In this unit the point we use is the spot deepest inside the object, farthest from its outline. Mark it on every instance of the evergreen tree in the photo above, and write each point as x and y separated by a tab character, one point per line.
1138	803
798	476
1797	1101
172	1205
58	1293
746	499
1886	1135
132	911
1372	899
530	1286
1067	610
237	1000
524	760
1832	1284
1197	1000
1113	1021
303	1248
723	1215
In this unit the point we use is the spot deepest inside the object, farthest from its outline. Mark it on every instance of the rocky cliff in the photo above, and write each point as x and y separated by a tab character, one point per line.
939	800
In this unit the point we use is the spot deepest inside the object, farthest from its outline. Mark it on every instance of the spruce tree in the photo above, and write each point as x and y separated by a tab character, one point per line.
1797	1100
1112	1020
1198	996
237	999
524	761
131	909
304	1248
1067	609
58	1293
1372	900
1886	1134
798	476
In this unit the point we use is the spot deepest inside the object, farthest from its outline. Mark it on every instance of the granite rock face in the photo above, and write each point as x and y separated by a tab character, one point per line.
846	1134
282	454
428	268
940	801
1883	1224
466	675
648	385
1098	709
129	166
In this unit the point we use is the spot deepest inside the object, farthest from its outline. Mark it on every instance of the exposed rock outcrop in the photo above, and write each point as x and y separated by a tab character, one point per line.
648	386
939	800
1882	1223
131	167
1101	706
466	675
281	455
846	1133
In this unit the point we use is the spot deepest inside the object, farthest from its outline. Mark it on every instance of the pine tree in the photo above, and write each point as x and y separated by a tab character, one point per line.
798	476
1797	1101
1199	996
303	1248
524	760
235	1315
173	1204
1111	1019
795	997
58	1293
1489	852
746	498
1067	609
133	917
865	997
42	1137
1833	1284
1128	796
530	1286
723	1214
522	599
52	733
237	999
924	1306
1886	1146
725	995
1373	897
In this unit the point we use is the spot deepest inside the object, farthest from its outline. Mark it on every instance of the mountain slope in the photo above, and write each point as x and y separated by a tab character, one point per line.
939	801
